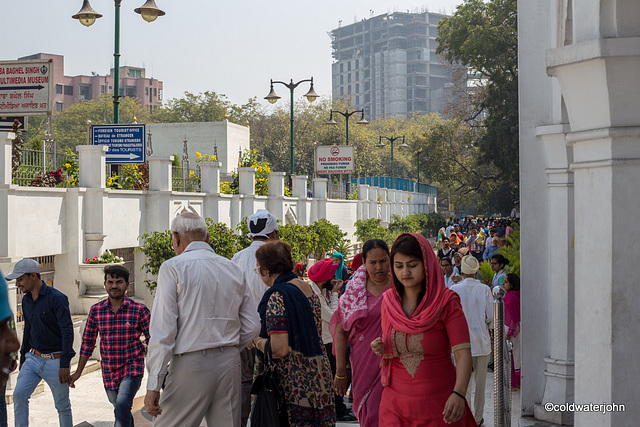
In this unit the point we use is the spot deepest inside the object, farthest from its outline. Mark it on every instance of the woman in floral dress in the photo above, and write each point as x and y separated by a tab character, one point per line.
291	322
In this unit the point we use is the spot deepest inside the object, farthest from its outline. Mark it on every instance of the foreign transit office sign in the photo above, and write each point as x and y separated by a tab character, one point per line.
126	142
26	87
334	159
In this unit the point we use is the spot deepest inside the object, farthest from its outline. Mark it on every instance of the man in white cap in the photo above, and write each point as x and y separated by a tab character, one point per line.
47	343
262	227
477	305
201	317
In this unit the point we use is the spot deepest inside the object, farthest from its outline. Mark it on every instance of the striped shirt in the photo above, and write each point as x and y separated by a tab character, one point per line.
121	350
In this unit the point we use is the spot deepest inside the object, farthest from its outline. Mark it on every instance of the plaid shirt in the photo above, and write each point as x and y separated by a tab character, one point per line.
121	350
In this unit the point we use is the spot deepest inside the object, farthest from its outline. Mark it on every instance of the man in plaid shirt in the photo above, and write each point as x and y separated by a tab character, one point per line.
120	322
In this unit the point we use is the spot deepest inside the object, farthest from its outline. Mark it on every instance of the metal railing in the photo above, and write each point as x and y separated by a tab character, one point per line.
34	163
337	190
501	364
186	179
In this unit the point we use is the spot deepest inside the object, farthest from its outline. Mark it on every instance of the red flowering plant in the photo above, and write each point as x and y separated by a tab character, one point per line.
106	258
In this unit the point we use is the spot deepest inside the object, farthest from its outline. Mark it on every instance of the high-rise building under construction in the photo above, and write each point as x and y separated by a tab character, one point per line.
387	65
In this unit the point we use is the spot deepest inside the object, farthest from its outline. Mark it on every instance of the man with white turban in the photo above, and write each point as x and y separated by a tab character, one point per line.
262	227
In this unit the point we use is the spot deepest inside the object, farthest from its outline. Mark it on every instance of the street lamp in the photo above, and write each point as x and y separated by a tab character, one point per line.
273	97
346	116
392	140
87	16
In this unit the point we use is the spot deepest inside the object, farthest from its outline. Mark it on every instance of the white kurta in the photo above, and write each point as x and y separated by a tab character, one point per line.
477	305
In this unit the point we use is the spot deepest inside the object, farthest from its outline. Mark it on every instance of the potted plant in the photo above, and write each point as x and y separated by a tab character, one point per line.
92	273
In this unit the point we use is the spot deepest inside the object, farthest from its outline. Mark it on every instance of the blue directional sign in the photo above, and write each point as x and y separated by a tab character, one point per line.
126	142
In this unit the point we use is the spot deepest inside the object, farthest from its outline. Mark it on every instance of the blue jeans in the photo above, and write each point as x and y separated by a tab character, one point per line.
122	400
35	369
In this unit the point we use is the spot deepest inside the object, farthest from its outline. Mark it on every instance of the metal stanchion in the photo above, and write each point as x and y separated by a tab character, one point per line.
501	363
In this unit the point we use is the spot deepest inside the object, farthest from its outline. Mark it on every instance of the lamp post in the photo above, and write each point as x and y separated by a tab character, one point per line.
347	114
87	16
273	97
391	141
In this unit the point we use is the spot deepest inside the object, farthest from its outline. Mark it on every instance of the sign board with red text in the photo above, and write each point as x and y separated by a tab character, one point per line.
26	87
334	159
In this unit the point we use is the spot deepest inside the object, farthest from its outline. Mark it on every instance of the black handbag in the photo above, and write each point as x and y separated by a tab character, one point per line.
269	410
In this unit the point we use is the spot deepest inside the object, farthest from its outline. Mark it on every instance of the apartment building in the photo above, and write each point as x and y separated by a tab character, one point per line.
69	89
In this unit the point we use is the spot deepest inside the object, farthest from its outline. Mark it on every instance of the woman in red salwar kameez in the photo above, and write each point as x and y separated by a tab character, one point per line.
422	322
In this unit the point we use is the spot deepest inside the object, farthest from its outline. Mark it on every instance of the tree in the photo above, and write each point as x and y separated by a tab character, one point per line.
302	240
330	237
483	36
372	228
203	107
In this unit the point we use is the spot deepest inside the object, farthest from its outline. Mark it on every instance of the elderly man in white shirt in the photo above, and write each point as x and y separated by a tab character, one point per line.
202	316
477	305
263	227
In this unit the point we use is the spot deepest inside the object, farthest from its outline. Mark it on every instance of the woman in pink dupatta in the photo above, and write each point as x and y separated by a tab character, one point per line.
512	323
422	322
357	321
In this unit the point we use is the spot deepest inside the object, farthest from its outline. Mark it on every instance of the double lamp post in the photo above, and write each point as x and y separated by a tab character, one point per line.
87	16
272	97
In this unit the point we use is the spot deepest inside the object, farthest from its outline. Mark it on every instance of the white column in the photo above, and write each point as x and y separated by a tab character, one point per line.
559	372
275	203
247	180
373	202
363	201
160	173
319	201
6	139
276	183
299	186
320	188
598	78
247	190
210	177
92	164
384	206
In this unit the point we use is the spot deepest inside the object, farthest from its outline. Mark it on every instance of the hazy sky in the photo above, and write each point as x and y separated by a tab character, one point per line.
230	47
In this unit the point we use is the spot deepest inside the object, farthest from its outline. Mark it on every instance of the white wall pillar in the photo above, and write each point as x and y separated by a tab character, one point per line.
6	145
299	190
320	188
275	204
385	217
247	190
373	202
247	180
160	173
363	201
299	186
210	177
319	201
92	163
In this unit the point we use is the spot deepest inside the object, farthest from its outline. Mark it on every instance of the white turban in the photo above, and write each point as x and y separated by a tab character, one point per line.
261	224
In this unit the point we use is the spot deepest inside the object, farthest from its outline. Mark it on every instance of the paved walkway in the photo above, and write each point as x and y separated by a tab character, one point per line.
92	409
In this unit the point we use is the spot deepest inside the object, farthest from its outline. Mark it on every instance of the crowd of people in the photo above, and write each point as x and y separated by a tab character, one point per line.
401	331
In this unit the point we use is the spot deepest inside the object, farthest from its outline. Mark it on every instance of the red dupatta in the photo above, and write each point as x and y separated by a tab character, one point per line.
393	317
